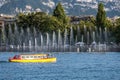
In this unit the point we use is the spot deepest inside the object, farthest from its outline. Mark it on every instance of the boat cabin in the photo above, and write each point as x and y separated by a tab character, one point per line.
34	56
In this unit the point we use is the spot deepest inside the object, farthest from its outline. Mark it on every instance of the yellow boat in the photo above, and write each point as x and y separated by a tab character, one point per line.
42	58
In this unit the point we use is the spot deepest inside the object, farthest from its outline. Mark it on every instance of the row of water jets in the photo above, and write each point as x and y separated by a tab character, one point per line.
19	39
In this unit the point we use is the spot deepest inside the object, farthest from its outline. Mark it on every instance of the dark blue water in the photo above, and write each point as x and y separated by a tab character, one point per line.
69	66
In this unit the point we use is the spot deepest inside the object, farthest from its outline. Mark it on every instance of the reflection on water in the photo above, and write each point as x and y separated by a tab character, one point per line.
69	66
3	61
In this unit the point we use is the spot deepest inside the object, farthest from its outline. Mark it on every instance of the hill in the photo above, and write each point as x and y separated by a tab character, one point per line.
72	7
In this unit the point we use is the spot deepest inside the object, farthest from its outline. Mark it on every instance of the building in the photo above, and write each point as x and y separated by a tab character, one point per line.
77	19
6	19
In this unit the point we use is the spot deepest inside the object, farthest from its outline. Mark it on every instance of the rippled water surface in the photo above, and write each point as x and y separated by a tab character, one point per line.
69	66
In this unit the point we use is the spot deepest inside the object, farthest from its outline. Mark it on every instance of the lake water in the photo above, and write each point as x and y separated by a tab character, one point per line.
69	66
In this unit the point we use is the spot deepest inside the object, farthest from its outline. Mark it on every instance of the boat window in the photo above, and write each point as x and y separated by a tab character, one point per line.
35	56
39	56
31	56
23	57
27	56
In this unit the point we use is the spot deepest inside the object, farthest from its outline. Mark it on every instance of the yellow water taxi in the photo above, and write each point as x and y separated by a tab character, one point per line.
42	58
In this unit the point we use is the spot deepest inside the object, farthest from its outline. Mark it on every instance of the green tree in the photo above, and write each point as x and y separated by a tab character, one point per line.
49	24
101	16
38	19
59	13
116	32
31	19
109	25
117	22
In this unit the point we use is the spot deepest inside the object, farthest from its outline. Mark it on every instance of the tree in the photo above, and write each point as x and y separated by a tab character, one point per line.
116	33
59	13
50	24
39	18
117	22
109	25
101	17
31	19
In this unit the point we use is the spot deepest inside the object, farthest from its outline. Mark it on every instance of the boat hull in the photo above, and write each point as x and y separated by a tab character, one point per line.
47	60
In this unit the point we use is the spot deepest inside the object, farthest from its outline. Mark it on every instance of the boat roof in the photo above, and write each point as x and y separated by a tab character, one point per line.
33	54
